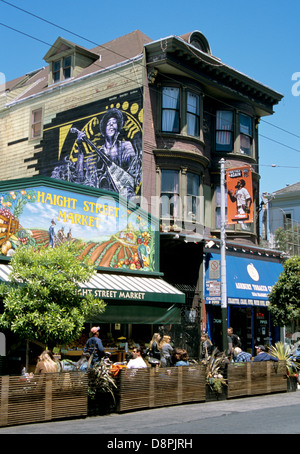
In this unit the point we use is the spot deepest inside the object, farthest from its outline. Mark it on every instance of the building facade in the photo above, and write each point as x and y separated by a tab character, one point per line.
282	219
148	121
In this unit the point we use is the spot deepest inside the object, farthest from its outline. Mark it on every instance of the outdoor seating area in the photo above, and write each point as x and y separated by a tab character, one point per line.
44	397
66	394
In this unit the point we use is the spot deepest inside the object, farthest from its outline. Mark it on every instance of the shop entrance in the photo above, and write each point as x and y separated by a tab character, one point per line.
240	319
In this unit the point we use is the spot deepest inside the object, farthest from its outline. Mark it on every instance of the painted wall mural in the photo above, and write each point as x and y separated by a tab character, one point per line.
97	145
112	233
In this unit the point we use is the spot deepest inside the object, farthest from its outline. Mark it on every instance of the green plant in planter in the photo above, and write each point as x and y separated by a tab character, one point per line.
284	352
100	380
214	377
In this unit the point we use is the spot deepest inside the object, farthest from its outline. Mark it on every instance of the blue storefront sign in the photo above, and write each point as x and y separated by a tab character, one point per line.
249	280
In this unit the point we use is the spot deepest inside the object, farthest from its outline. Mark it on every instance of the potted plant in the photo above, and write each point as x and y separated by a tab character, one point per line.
101	388
284	352
215	382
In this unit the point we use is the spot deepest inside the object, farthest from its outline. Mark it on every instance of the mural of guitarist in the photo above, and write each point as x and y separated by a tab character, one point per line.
119	164
98	144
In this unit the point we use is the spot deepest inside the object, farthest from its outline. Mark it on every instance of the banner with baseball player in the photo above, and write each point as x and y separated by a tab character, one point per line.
239	195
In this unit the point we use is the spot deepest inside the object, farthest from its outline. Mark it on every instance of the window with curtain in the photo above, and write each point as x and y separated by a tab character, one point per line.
193	114
36	123
224	130
193	183
170	109
169	197
246	135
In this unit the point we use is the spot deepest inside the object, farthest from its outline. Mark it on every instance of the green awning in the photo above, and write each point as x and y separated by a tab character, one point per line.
136	314
131	298
110	286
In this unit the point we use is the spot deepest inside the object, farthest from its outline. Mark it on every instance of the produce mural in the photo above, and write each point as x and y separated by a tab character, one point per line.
111	233
97	145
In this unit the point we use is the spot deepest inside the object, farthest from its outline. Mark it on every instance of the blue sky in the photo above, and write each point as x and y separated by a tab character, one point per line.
260	39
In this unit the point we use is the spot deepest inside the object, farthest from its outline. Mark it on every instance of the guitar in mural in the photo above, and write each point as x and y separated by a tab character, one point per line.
109	147
121	181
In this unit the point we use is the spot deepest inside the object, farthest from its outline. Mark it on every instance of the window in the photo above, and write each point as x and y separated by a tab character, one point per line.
170	109
61	69
218	208
67	67
246	134
193	183
193	114
36	123
224	130
56	71
169	193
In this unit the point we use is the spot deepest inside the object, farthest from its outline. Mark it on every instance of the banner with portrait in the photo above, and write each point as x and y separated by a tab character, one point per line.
239	195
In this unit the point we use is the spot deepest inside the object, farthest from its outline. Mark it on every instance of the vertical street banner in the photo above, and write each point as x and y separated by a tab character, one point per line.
239	195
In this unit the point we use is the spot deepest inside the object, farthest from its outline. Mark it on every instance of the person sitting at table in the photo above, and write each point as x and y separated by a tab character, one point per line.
137	361
239	356
262	355
45	363
181	357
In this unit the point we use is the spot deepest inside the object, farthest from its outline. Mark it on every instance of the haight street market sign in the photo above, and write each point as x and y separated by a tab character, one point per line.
113	232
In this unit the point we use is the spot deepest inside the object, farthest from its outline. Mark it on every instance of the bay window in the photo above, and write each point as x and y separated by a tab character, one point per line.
224	130
169	197
170	109
193	114
193	184
246	134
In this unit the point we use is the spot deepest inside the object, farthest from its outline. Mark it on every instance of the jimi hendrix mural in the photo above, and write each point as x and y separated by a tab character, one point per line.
98	145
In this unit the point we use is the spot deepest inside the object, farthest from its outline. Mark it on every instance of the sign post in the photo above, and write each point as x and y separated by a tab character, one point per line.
224	311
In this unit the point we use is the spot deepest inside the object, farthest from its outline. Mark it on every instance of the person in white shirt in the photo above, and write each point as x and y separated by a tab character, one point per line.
241	197
137	361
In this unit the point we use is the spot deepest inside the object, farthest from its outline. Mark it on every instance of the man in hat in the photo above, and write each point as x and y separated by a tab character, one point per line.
262	355
52	234
94	346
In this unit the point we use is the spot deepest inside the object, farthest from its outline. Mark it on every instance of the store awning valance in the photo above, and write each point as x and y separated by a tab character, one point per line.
249	280
109	286
132	288
129	313
130	299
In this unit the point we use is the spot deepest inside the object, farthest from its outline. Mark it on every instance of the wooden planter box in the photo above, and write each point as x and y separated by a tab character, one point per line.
149	388
254	378
212	395
42	398
292	384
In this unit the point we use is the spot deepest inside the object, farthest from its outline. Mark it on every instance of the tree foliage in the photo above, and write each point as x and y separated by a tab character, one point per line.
285	295
42	302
